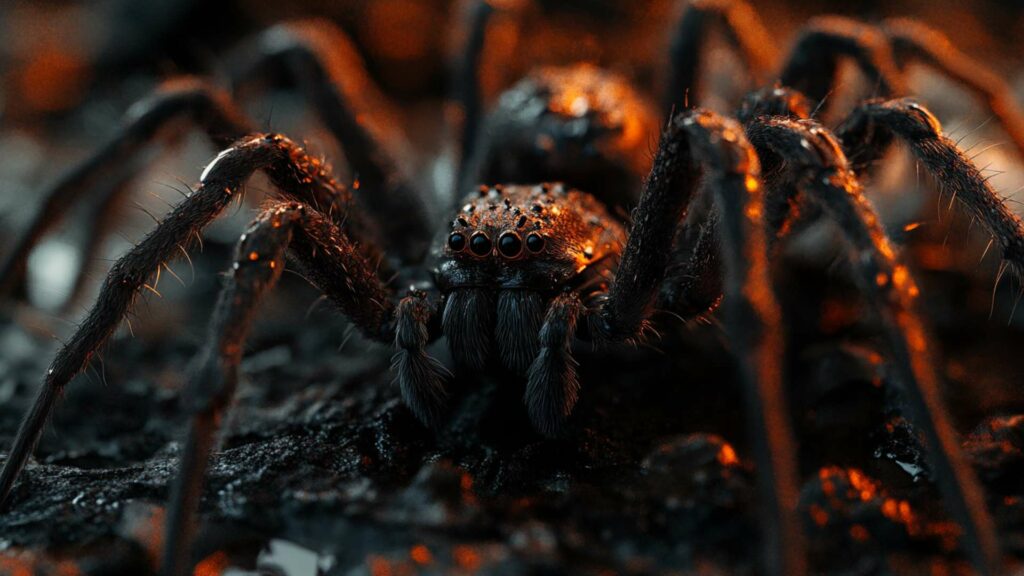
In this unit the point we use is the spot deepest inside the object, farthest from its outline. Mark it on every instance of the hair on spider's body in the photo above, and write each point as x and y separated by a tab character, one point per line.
536	258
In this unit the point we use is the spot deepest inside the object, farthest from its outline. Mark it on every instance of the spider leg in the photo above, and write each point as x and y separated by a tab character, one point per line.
466	80
693	279
914	42
693	284
701	139
212	383
812	64
871	127
312	240
327	68
202	103
297	177
821	171
552	384
743	29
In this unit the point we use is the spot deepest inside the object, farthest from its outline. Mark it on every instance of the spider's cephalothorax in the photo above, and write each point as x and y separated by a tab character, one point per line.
522	271
509	251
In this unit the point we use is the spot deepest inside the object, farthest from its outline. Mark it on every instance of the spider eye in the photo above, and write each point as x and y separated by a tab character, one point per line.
510	245
480	244
456	242
535	242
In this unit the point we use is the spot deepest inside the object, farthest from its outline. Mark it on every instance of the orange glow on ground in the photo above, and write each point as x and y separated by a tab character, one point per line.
420	554
213	565
467	558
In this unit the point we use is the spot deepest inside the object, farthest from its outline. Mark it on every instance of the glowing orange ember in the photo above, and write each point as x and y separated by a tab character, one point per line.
420	554
466	557
727	456
213	565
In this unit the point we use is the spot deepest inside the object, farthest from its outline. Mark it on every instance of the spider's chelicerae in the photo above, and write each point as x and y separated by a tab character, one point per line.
536	258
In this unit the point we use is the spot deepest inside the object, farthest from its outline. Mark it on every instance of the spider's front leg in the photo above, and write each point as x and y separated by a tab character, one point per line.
211	385
313	242
696	142
296	177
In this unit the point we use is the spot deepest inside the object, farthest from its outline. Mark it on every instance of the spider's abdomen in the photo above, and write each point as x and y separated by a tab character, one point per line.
507	252
581	125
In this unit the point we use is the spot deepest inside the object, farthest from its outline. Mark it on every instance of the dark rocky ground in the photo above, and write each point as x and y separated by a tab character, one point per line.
322	465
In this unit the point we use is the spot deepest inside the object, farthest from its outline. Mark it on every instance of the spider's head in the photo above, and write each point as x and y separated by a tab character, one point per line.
525	237
580	125
507	253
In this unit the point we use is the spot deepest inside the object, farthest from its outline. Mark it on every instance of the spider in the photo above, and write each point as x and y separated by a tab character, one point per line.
522	270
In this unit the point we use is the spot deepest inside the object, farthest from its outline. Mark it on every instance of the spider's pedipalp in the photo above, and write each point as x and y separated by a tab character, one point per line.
871	127
202	103
819	169
552	383
421	378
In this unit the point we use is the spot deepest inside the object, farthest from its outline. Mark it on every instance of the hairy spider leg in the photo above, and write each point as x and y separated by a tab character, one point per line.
869	130
915	43
214	378
694	140
819	169
693	281
326	67
298	178
741	26
311	240
881	52
199	101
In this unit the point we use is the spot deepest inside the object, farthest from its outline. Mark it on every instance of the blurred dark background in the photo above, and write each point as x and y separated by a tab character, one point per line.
69	71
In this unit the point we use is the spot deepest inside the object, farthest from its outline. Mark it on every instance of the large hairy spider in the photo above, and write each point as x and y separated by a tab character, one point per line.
520	271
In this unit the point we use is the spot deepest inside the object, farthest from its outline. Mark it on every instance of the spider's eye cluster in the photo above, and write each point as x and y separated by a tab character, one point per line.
510	244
